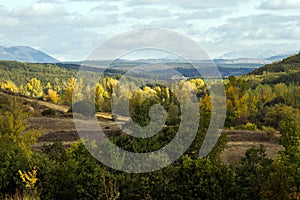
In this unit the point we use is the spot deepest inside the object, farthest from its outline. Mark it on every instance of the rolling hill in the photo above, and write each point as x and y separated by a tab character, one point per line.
288	64
286	71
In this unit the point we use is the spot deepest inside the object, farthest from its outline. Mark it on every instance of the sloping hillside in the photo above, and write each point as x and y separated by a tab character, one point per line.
287	71
20	73
289	64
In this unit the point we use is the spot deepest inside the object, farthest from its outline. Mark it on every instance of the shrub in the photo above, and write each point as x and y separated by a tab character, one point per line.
72	174
84	107
49	111
270	133
249	126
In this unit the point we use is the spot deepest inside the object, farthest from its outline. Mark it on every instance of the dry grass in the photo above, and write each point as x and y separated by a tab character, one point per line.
239	141
57	128
61	127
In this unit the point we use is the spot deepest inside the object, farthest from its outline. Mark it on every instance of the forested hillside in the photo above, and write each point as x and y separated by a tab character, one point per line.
20	73
286	71
286	65
253	104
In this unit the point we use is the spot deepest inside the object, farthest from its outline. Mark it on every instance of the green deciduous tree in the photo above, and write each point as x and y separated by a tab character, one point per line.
279	112
253	173
202	179
15	141
13	125
290	157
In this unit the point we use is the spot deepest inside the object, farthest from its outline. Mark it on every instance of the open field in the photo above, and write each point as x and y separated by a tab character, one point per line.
239	141
61	127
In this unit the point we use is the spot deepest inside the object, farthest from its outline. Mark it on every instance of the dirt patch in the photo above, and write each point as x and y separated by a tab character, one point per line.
239	141
257	136
56	128
65	136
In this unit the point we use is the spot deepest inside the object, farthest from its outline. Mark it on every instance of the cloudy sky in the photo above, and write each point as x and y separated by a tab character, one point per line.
72	29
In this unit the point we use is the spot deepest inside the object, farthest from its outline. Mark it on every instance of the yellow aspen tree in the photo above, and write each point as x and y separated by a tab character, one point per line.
9	85
73	86
52	96
34	88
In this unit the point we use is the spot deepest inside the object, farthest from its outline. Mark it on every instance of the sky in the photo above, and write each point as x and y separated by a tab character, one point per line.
70	30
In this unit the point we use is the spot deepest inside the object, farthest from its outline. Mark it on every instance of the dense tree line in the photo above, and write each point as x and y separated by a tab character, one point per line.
20	73
248	100
59	173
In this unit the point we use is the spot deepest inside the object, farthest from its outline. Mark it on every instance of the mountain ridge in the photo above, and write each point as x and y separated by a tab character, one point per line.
25	54
266	55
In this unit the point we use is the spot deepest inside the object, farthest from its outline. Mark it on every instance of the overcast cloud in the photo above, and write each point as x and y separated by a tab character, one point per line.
72	29
280	4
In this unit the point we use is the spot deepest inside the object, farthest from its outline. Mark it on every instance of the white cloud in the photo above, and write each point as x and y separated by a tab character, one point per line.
280	4
96	0
106	8
55	30
256	27
295	32
206	14
7	20
40	9
148	38
72	28
171	23
95	21
189	4
93	1
145	12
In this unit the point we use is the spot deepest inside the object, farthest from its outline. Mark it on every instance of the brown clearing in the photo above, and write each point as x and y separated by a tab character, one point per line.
61	127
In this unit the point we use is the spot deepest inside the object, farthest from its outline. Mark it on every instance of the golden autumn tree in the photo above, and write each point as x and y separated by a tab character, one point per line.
75	86
34	88
237	104
99	96
9	85
205	111
52	96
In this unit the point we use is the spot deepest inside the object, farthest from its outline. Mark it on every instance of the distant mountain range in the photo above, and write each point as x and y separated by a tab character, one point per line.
25	54
263	57
156	67
29	54
281	56
223	62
